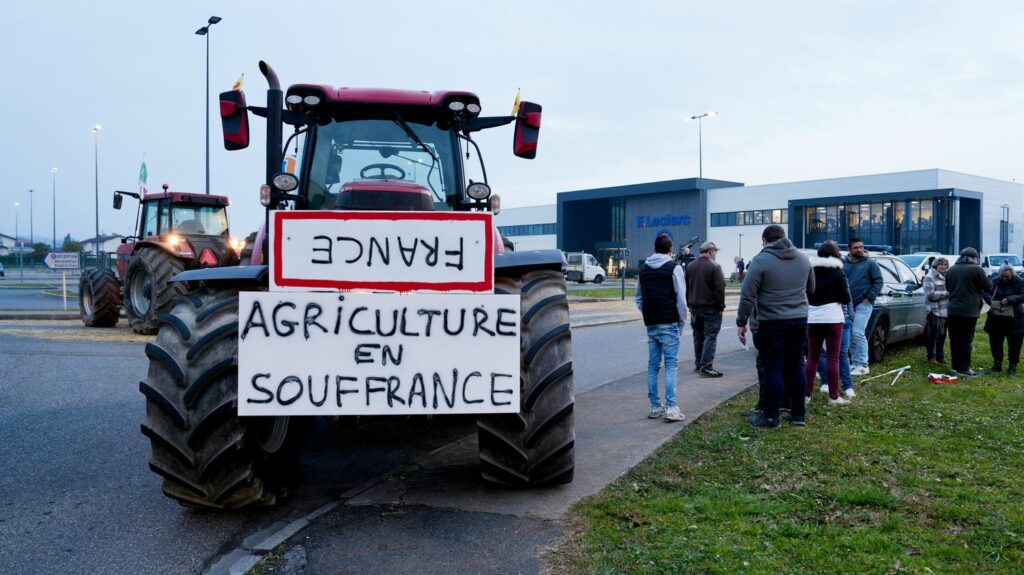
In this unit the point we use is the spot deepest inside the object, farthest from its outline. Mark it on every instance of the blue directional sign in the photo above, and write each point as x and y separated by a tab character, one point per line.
61	260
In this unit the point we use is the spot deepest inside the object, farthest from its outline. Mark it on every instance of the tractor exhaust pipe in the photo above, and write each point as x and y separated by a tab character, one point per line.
275	102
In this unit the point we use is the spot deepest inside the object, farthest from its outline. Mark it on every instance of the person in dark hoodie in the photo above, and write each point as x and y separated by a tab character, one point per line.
966	283
779	281
865	280
661	298
1006	318
825	318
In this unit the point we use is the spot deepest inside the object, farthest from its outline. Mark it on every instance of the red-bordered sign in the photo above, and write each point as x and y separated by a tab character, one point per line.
384	251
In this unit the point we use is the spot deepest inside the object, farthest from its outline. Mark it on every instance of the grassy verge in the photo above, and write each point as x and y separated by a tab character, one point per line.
910	478
608	293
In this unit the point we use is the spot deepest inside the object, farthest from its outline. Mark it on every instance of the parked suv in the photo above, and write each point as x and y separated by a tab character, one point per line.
899	312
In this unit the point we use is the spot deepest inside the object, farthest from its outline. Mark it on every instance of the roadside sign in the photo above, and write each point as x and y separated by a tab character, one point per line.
61	260
377	354
382	251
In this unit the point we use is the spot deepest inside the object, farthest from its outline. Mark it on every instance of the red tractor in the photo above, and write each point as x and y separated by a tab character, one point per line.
175	231
379	156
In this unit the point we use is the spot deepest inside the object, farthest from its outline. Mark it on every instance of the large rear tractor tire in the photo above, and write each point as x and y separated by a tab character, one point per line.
99	298
535	446
147	288
208	456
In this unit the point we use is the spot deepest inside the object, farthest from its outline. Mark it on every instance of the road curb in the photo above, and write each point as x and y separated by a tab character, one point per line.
244	558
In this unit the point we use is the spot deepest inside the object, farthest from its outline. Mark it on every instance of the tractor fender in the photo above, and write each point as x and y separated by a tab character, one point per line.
227	277
533	259
143	244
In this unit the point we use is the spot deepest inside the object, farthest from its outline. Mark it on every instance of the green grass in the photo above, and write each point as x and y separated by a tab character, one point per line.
607	293
911	478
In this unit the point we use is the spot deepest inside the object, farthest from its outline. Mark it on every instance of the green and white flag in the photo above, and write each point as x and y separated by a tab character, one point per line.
143	175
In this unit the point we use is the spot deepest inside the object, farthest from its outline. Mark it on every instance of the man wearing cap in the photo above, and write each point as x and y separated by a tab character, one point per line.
966	282
705	296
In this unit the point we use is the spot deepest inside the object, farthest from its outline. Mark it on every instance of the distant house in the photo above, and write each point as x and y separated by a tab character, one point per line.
9	245
107	244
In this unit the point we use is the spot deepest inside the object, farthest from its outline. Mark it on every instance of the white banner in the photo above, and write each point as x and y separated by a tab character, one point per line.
302	353
382	251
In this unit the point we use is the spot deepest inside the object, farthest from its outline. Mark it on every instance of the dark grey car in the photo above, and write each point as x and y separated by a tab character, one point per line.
899	312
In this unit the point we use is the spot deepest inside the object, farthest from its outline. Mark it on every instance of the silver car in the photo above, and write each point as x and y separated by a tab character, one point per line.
899	313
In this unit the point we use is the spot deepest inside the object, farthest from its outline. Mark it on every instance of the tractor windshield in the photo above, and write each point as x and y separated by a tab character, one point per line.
199	220
366	150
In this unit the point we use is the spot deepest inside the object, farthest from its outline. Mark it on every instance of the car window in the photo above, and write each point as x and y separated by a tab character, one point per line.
591	261
889	273
913	260
906	274
574	259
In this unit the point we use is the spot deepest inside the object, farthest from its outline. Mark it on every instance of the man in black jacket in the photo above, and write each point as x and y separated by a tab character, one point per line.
705	296
966	282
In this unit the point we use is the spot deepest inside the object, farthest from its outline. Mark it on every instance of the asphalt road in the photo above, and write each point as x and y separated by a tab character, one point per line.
76	495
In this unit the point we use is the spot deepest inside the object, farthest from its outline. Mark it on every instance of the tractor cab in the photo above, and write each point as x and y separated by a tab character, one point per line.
379	149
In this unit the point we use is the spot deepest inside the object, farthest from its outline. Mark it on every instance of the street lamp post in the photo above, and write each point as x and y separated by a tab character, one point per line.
96	166
205	31
54	171
700	160
31	228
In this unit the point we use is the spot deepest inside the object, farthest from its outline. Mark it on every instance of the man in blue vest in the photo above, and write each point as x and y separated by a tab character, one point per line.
661	298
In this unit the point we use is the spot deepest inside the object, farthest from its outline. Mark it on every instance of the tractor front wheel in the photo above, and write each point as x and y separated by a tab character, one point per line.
147	288
99	298
208	456
535	446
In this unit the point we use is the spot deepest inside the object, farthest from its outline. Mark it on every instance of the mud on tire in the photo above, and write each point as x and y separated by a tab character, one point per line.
147	291
535	446
207	455
99	298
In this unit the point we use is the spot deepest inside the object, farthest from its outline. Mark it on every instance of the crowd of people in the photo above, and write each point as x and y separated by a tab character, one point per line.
808	316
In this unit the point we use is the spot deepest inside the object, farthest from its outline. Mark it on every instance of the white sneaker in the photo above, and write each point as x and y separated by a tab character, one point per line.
838	401
817	376
673	414
656	412
859	370
824	388
849	392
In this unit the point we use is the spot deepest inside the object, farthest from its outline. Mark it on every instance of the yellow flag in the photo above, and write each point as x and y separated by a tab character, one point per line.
238	84
515	107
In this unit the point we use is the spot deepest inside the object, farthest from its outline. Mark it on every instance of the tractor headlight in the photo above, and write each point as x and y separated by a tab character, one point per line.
237	244
478	191
265	195
456	106
174	240
285	182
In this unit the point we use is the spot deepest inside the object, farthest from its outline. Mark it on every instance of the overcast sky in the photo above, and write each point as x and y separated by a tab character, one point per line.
804	90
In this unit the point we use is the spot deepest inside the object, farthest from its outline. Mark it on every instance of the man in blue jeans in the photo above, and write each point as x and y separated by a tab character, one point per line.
865	279
661	298
779	280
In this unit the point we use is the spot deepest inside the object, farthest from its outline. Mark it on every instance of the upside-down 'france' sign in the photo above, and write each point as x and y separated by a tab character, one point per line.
382	251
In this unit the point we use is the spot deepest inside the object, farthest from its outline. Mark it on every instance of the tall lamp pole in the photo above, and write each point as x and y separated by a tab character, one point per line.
96	166
205	31
700	161
31	228
54	171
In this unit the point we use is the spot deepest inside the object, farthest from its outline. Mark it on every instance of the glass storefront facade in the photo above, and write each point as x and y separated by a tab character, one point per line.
907	226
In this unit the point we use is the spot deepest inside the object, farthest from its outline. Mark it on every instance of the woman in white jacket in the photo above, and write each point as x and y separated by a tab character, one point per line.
825	317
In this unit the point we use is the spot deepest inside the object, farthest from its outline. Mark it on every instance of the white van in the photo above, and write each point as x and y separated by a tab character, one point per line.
992	262
582	267
921	264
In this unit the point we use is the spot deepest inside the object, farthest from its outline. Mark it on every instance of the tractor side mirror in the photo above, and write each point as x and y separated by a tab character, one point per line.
524	143
234	119
117	201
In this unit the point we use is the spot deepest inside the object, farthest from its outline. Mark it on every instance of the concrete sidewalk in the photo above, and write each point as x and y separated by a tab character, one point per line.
435	515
